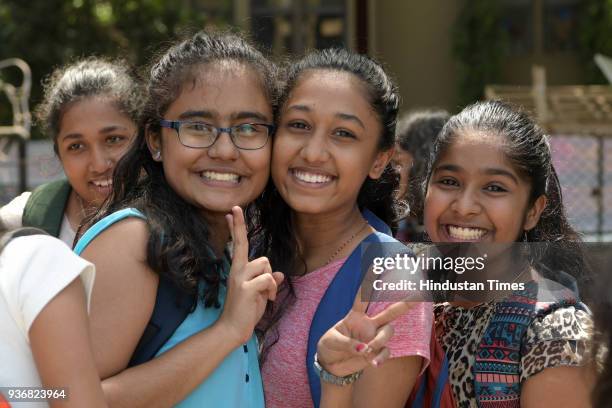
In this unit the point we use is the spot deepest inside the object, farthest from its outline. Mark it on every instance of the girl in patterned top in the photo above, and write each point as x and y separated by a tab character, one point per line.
491	180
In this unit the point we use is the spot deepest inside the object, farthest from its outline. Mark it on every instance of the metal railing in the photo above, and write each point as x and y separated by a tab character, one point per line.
19	130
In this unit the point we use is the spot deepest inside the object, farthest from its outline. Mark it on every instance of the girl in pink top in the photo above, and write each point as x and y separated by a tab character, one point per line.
330	162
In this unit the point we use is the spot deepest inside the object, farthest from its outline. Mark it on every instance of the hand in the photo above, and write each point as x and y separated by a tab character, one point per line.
358	340
249	285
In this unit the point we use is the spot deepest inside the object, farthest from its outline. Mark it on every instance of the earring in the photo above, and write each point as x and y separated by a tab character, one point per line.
525	239
157	156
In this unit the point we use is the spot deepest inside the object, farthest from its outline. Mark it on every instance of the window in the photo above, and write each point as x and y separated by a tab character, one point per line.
298	25
558	23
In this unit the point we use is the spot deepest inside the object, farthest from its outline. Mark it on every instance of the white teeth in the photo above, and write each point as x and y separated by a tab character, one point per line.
103	183
465	233
213	175
311	178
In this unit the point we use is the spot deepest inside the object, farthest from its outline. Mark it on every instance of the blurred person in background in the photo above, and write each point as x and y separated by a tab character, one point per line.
416	132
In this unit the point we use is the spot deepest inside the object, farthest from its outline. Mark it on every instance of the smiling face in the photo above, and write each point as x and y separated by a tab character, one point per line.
93	136
326	143
219	177
475	194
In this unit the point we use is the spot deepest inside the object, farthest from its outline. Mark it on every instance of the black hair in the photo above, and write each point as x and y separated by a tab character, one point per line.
375	194
416	133
279	241
179	247
88	78
527	148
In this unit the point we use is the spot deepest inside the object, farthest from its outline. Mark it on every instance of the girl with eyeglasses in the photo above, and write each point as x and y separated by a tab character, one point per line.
160	245
90	109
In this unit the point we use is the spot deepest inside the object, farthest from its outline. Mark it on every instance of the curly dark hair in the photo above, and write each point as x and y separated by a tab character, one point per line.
88	78
178	247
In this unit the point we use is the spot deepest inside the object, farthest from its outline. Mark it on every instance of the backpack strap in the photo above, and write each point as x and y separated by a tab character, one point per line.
45	207
19	232
172	305
340	296
102	225
432	389
376	223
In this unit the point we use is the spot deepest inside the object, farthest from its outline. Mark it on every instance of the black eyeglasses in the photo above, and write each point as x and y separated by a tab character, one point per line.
199	135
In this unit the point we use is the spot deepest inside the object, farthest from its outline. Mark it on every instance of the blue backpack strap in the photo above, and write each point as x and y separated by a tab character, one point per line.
102	225
376	223
171	304
340	296
172	307
440	383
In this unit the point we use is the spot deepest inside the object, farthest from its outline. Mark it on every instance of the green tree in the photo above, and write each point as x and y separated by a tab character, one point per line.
50	33
478	45
595	36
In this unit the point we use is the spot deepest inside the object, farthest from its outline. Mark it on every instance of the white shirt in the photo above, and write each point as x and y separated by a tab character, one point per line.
33	270
11	216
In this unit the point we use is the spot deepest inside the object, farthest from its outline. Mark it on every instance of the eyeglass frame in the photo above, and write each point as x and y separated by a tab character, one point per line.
176	125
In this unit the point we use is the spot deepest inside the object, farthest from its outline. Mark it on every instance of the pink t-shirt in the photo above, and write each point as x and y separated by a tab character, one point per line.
284	370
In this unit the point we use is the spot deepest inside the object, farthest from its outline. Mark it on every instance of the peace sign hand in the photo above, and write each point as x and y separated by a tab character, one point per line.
249	285
358	340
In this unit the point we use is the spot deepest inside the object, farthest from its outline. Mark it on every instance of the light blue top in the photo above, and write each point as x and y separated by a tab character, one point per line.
237	380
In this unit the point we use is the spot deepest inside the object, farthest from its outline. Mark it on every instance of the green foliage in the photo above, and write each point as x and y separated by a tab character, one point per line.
595	36
50	33
478	45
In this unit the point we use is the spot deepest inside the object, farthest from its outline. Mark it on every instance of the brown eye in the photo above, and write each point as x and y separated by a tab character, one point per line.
115	139
448	182
298	125
494	188
75	146
344	133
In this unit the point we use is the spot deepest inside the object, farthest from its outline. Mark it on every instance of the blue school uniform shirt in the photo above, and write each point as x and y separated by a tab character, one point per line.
236	382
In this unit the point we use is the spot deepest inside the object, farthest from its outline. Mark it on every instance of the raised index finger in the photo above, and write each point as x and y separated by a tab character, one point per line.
240	255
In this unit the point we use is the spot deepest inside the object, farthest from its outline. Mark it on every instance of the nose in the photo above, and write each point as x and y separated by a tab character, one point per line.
223	148
466	203
100	160
315	149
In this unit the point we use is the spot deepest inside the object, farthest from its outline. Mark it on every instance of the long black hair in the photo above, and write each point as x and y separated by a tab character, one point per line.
279	242
178	247
527	148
